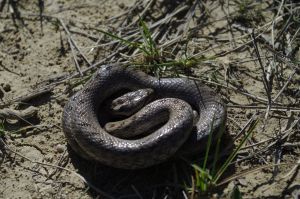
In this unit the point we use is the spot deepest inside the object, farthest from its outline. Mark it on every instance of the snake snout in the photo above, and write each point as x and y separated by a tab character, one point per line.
131	102
152	117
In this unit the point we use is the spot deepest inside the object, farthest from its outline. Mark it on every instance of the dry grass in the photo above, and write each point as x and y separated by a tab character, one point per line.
246	50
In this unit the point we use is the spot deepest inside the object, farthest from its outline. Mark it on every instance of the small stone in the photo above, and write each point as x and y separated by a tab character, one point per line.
121	5
242	182
60	148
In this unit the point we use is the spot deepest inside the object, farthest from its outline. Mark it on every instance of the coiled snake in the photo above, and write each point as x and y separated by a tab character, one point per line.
175	99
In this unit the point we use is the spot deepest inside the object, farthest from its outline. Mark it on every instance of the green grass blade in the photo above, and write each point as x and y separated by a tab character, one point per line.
148	39
208	144
124	41
216	155
202	178
234	153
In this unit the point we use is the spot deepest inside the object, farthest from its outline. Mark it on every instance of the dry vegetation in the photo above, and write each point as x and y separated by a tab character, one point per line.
247	50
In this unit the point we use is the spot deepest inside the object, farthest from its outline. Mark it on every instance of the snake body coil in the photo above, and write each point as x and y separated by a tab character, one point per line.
174	96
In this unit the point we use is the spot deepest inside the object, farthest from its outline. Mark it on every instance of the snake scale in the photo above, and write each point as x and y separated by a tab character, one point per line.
174	97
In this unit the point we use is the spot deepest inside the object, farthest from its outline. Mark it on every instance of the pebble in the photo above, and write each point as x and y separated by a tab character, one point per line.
121	5
242	182
60	148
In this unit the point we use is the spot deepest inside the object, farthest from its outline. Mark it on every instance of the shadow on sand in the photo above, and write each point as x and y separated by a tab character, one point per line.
167	179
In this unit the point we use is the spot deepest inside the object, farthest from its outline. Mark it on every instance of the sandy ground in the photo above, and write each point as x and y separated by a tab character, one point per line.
34	59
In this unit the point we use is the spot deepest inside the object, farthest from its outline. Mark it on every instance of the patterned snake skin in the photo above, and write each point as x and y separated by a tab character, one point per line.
176	97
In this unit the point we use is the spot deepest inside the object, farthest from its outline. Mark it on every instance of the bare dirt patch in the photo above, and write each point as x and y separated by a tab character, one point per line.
248	51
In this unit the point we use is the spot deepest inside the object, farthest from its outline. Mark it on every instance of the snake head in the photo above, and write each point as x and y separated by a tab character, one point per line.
131	102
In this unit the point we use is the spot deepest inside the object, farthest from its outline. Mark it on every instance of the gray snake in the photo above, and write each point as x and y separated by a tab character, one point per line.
174	96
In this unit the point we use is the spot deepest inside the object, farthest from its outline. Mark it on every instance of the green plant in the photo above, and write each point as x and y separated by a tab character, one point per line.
154	61
205	179
151	55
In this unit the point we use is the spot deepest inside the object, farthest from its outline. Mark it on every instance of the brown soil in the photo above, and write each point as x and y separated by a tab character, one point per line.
35	58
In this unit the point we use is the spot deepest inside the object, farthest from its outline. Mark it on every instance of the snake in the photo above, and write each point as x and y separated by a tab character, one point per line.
174	101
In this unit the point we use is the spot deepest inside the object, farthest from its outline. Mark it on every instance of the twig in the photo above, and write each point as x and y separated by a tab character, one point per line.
241	37
292	170
29	96
17	114
74	57
286	133
260	99
285	85
41	7
242	131
273	108
59	164
142	14
58	167
243	173
267	84
73	41
91	37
